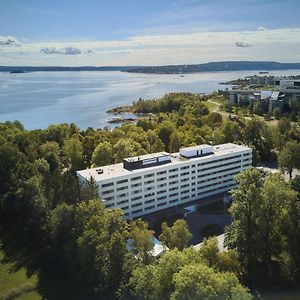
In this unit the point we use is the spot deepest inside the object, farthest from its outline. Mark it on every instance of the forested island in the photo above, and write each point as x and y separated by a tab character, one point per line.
216	67
61	233
169	69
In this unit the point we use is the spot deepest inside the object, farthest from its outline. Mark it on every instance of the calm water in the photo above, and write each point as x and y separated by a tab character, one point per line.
42	98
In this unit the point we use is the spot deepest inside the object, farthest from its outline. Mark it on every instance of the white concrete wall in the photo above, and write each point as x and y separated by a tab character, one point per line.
191	181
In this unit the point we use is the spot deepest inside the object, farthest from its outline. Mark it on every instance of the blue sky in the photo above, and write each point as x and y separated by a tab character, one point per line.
140	32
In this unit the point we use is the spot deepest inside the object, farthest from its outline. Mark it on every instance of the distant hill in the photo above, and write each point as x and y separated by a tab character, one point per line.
171	69
217	66
24	69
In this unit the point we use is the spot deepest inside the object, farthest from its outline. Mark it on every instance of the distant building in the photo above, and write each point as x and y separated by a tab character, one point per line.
286	92
287	84
153	182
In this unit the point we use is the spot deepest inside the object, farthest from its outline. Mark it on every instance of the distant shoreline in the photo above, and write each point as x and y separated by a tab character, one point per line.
222	66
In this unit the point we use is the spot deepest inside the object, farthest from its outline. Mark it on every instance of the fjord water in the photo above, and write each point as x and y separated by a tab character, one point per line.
41	98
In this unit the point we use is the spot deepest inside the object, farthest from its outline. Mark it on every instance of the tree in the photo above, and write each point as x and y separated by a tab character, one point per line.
284	125
73	151
175	142
276	113
176	236
245	210
103	154
183	275
258	108
164	133
289	157
51	152
142	240
88	147
276	198
126	148
85	256
201	282
89	190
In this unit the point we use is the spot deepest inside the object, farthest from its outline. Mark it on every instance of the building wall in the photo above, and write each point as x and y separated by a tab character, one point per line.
173	184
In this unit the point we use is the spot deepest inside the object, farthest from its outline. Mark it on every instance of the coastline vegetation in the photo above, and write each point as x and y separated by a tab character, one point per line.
61	233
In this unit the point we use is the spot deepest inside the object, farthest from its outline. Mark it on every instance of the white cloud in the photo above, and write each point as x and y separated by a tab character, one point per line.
186	48
261	28
243	44
66	50
9	41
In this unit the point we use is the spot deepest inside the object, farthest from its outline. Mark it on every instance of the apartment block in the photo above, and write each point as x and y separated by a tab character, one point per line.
153	182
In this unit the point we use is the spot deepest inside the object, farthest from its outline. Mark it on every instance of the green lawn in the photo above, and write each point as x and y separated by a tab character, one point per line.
9	281
211	105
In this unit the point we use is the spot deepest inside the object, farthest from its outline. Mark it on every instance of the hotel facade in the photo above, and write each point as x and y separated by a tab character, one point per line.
153	182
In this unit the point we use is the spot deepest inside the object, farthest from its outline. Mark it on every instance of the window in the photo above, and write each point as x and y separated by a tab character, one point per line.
150	207
161	179
160	192
122	188
107	184
173	176
136	178
136	192
149	195
122	181
173	182
149	181
149	201
161	204
185	168
136	184
185	185
136	198
173	170
136	205
122	202
107	192
148	175
162	185
185	173
161	172
137	211
122	195
185	192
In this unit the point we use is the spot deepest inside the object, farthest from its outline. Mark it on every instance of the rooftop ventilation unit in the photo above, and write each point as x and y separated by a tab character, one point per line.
196	151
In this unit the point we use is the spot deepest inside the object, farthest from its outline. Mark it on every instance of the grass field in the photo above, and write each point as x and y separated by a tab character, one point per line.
15	281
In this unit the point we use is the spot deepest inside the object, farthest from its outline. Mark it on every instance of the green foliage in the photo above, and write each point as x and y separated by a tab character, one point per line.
103	154
201	282
184	275
261	211
142	240
50	225
176	236
289	157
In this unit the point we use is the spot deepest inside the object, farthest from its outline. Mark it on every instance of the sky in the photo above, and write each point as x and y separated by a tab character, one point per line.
147	32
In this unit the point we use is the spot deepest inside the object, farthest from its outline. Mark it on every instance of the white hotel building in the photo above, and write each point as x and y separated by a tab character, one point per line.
149	183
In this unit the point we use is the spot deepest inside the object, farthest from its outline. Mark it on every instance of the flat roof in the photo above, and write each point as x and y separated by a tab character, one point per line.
203	146
146	156
117	170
